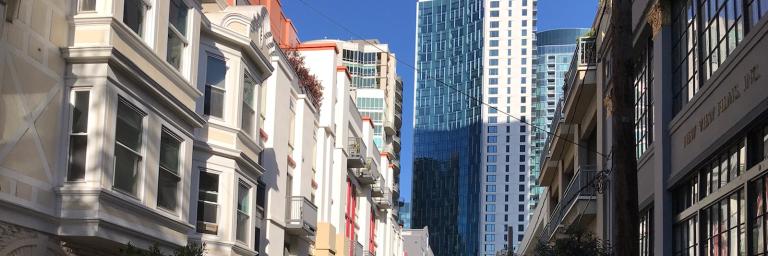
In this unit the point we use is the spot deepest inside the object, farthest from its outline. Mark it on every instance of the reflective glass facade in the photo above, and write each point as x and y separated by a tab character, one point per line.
555	49
447	127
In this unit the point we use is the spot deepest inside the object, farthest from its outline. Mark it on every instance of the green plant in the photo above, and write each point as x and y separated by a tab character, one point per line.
574	242
192	249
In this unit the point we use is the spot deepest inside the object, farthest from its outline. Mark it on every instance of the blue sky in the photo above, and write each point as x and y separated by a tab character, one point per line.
393	22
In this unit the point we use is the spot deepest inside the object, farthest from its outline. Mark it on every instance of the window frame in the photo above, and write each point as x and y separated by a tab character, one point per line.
248	213
182	36
179	172
71	133
140	153
216	193
254	119
206	86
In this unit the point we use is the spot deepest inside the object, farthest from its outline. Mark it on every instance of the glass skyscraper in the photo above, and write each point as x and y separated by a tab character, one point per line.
553	57
470	170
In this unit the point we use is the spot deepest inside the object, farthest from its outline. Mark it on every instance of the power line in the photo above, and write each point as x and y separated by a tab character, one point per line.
334	22
592	182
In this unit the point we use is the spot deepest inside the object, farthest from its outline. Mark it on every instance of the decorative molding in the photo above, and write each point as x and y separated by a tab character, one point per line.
656	17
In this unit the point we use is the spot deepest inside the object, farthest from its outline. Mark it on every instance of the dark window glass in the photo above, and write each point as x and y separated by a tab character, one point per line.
78	138
133	15
87	5
168	176
215	87
128	156
208	197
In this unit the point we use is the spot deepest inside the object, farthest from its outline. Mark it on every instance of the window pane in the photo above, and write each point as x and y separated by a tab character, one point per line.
133	15
208	197
167	190
214	102
206	211
242	197
175	49
215	72
209	182
177	16
168	178
169	153
128	126
249	114
126	170
242	227
87	5
77	150
80	112
128	145
242	212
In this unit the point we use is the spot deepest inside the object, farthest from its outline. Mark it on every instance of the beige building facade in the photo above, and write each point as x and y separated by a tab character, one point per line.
170	122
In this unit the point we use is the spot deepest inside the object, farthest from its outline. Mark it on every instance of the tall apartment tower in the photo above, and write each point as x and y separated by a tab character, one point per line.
471	159
554	51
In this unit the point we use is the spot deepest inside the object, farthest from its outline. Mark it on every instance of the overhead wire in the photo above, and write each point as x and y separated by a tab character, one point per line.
473	98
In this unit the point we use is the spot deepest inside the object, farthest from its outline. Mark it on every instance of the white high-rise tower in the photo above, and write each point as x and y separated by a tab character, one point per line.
509	46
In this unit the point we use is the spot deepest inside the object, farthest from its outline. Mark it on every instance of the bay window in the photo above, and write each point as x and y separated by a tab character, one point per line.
208	203
215	87
78	136
243	212
169	173
128	147
177	32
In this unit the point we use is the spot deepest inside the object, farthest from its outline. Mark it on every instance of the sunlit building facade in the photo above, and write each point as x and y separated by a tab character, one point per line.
554	49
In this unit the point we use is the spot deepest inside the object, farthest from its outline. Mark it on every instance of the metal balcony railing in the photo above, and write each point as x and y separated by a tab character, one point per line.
553	128
580	187
356	151
302	216
584	56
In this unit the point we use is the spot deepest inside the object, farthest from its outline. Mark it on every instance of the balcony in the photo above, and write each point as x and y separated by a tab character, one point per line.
579	89
575	203
398	117
369	173
584	57
389	126
395	165
389	150
378	187
356	152
302	216
396	190
384	201
396	143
